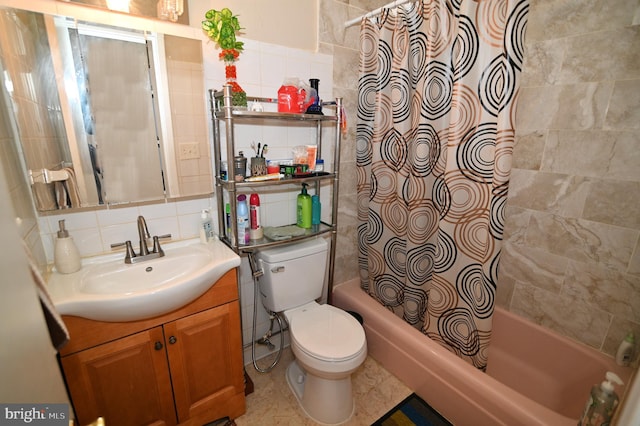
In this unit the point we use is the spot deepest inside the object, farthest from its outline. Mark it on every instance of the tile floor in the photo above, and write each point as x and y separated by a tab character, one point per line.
376	391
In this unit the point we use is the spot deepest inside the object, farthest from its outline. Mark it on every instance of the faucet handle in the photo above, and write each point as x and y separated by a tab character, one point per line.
129	250
156	244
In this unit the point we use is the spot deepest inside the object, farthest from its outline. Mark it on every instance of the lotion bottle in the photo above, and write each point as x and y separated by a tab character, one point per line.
206	227
602	403
625	350
65	254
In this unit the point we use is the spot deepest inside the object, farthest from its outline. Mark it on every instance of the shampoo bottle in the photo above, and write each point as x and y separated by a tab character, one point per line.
625	350
602	403
65	255
303	209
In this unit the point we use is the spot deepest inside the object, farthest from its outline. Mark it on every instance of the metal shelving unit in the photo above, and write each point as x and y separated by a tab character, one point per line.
224	114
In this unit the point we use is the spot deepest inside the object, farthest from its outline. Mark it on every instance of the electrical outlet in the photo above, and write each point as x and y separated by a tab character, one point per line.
189	151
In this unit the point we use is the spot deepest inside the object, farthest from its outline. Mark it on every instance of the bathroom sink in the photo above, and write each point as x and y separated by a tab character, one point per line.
107	289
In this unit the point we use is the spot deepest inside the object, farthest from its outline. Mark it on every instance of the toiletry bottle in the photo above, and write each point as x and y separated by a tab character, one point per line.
303	208
315	212
602	403
243	220
206	226
625	350
65	255
227	212
224	170
255	230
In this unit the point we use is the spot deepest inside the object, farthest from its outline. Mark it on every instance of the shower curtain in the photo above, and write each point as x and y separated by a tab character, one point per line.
438	85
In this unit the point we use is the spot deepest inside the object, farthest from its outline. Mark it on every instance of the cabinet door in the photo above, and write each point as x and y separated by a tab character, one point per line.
125	381
205	358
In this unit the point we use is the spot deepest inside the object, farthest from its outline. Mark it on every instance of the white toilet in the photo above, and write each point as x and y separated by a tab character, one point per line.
328	343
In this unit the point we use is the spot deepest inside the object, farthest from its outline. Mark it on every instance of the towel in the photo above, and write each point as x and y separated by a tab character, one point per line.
67	193
72	187
283	232
57	328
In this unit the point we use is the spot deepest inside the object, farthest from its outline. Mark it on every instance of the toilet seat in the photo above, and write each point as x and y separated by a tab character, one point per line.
326	333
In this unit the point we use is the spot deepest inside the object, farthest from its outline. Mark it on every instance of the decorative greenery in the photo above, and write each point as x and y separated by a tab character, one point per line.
221	27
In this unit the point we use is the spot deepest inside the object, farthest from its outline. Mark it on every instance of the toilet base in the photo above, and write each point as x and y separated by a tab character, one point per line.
325	401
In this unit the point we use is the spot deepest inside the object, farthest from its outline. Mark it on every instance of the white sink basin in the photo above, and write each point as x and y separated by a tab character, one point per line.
107	289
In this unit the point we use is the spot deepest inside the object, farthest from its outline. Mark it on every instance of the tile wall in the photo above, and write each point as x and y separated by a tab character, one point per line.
571	258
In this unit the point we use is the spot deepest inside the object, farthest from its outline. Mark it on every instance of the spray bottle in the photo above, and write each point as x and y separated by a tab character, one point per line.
255	231
602	403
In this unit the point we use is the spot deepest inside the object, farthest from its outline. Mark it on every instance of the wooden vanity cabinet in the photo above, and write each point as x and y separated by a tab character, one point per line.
182	368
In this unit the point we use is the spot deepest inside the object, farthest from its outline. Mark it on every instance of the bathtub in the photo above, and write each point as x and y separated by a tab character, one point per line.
534	376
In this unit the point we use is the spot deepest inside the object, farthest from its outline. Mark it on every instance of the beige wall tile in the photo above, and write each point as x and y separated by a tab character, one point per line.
528	150
563	314
533	267
582	240
624	107
602	154
614	202
550	192
609	289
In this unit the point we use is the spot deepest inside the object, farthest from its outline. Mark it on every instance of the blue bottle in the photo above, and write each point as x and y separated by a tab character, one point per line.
315	210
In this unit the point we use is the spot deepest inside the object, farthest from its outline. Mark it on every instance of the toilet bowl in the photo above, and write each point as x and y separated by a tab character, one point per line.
328	343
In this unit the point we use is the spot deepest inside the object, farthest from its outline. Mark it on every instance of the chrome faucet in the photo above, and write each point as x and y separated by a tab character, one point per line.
143	234
145	254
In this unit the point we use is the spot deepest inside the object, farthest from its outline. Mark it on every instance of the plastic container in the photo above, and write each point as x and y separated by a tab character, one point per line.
626	350
206	226
319	165
66	257
602	403
255	229
273	167
240	167
243	220
303	208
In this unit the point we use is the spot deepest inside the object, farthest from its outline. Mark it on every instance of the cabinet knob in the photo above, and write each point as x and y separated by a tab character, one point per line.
172	339
157	346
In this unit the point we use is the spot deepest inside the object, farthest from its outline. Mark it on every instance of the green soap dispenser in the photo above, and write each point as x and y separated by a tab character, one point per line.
303	211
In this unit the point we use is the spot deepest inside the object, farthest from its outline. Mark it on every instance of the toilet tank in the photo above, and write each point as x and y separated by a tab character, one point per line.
294	274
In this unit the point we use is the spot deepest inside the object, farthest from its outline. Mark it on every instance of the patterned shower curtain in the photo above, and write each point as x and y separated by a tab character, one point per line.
437	92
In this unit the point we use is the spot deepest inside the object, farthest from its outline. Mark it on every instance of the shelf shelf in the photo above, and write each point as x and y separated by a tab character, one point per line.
247	114
286	181
323	229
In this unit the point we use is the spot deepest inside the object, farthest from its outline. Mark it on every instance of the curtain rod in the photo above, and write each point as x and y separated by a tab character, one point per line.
377	11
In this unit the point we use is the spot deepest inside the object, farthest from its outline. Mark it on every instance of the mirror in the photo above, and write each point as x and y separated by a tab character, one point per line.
105	115
148	8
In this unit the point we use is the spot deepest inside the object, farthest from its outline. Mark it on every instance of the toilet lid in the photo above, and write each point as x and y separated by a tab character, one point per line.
328	333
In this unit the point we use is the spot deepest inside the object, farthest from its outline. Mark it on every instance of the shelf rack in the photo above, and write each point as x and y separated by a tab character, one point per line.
224	113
